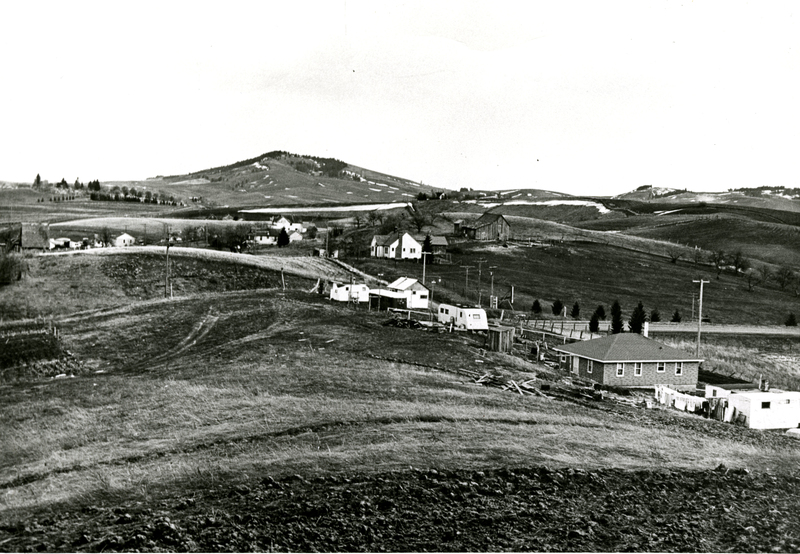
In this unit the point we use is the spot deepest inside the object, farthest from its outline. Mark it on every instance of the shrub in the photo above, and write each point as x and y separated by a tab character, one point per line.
791	321
10	269
558	306
655	316
676	317
616	318
601	312
536	308
638	319
576	311
594	323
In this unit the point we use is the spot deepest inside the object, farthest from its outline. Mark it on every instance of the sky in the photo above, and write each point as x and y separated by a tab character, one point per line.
584	98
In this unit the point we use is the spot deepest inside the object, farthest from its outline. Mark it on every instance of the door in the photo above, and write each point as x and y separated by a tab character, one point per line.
575	364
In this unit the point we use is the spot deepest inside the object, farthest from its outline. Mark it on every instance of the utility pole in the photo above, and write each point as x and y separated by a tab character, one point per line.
480	292
167	287
699	316
466	282
424	258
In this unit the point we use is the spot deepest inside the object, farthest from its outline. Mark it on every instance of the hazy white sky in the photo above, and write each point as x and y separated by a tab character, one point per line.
579	97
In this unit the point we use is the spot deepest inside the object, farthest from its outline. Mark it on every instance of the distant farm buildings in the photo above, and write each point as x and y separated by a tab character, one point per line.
630	360
489	226
405	246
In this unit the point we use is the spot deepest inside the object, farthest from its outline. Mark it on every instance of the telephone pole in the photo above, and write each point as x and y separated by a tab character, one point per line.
466	282
480	292
699	316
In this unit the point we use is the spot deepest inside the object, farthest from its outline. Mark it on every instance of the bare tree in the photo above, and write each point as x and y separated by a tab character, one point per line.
740	263
358	220
674	253
718	259
697	256
753	278
105	236
765	273
784	277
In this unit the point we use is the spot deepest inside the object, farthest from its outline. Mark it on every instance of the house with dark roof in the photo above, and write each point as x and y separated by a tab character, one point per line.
630	360
489	226
438	243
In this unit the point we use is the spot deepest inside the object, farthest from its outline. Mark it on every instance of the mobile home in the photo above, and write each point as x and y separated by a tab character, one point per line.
350	293
463	317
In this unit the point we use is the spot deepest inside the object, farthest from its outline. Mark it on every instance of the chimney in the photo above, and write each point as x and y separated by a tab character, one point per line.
646	329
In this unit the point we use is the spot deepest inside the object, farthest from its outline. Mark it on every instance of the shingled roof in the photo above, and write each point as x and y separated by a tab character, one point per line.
626	347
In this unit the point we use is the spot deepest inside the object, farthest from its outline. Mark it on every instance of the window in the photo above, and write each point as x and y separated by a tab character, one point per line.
423	296
412	250
765	405
678	368
589	366
476	316
714	392
563	359
621	369
661	367
637	369
787	401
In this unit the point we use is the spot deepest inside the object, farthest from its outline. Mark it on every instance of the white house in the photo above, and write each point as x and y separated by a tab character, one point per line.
759	409
265	236
463	317
396	245
415	292
295	236
350	293
124	240
286	223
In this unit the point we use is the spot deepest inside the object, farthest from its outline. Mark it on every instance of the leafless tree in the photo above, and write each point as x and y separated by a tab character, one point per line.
718	259
674	253
765	273
740	263
784	277
753	278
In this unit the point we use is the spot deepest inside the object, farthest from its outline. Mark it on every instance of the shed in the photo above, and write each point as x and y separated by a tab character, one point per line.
500	338
489	226
758	409
416	293
383	299
357	292
124	240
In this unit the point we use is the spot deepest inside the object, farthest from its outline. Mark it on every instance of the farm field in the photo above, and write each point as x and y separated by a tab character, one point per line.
593	274
61	284
255	420
20	205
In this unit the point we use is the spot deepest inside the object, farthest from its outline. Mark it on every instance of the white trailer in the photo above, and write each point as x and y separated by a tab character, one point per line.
463	317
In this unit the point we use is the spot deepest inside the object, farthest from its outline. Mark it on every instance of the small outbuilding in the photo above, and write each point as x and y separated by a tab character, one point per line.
500	338
415	292
124	240
349	292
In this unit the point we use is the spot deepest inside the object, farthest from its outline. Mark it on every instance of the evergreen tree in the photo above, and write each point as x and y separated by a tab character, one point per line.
616	318
426	244
791	321
594	323
655	316
638	319
558	306
283	238
536	308
601	312
576	311
676	317
37	182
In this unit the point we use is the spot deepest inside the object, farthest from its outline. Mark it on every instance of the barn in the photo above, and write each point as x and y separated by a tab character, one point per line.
489	226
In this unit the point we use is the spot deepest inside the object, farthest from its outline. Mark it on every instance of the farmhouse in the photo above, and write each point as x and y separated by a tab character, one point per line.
349	293
124	240
755	408
396	245
264	236
630	360
289	224
489	226
416	293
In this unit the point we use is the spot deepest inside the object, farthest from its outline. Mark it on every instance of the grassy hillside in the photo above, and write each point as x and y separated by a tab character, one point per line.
59	285
228	396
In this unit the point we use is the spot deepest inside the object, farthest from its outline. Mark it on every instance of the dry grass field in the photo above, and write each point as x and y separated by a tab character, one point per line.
215	392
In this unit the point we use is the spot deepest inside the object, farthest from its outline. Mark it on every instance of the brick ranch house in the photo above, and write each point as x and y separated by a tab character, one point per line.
630	360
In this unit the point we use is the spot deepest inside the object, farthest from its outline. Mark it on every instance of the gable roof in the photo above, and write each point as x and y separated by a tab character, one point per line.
404	283
487	219
436	240
626	347
386	240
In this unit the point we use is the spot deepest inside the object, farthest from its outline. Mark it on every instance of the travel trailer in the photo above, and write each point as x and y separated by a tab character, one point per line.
463	317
